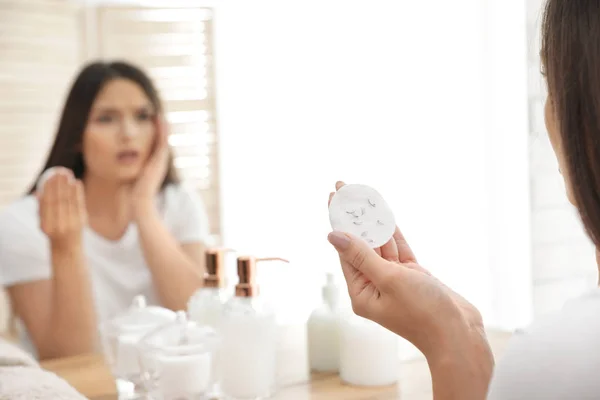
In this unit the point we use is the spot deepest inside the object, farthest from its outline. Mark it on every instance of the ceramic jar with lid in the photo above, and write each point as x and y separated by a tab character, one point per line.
179	360
120	339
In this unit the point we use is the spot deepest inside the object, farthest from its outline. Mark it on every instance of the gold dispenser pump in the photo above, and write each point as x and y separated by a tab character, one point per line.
215	267
246	269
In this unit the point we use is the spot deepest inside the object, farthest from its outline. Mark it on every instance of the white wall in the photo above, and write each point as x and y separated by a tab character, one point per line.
508	162
388	94
563	257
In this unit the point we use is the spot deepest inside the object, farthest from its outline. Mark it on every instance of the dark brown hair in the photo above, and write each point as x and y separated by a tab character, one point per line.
571	60
66	150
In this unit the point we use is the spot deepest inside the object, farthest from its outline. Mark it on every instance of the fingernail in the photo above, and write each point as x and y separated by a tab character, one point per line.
339	240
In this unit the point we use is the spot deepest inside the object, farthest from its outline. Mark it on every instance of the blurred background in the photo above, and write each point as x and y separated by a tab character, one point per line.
436	104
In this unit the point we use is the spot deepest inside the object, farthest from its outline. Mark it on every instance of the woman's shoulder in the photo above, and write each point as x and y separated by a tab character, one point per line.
21	213
178	198
556	358
23	246
174	191
185	214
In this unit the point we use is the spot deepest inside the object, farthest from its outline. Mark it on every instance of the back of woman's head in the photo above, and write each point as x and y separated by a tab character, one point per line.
571	60
67	150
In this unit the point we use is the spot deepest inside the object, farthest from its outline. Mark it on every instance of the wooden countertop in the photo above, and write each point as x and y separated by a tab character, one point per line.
91	377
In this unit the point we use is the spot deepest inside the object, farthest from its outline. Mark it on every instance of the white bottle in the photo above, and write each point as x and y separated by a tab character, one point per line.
323	331
368	352
205	306
249	340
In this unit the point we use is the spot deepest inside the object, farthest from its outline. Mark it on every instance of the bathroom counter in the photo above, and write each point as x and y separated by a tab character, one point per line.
90	375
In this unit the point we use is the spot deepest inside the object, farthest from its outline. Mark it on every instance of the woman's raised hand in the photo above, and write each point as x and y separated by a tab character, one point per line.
62	209
388	286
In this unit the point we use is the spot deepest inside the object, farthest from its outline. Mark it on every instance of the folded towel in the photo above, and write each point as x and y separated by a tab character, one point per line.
33	383
22	378
13	356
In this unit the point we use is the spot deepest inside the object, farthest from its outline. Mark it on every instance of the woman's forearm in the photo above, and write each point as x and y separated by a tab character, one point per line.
72	321
461	369
175	275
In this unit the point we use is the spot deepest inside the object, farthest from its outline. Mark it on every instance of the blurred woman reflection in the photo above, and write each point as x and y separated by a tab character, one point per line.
112	223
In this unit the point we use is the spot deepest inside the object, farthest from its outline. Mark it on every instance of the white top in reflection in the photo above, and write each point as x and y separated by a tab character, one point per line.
118	269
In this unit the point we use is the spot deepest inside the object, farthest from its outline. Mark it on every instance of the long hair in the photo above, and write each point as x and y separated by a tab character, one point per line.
67	148
571	59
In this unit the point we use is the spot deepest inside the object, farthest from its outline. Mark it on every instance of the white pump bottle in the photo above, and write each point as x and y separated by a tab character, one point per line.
323	330
249	339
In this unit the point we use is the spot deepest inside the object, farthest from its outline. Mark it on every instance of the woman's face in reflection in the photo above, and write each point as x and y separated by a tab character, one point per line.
120	132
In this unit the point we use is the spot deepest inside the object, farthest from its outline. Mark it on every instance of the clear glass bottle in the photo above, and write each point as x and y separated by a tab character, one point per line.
120	338
249	333
323	330
177	360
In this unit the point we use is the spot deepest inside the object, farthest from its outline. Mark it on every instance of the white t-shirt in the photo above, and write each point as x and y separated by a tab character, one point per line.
118	269
557	358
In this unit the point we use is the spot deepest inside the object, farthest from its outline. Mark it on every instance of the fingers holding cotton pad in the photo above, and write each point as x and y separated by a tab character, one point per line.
361	211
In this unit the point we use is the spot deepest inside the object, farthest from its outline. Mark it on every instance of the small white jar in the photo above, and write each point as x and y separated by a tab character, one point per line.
368	352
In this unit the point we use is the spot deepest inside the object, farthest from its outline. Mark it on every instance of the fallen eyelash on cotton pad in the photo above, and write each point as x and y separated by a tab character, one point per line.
361	211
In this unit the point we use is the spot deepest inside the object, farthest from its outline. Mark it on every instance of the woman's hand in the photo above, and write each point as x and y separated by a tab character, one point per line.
388	286
150	180
62	209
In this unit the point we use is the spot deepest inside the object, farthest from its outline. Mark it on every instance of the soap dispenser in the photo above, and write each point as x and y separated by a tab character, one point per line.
249	338
206	304
323	330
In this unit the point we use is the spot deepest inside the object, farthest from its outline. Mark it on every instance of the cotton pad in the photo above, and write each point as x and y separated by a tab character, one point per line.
361	211
39	187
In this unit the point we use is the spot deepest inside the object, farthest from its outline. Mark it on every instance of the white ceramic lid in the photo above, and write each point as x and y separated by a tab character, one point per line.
181	336
141	316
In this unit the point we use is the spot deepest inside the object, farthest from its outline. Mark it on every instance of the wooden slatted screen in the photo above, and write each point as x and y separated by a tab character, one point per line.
40	51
